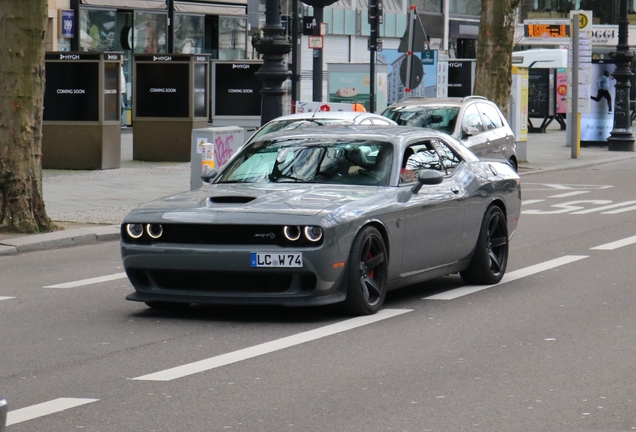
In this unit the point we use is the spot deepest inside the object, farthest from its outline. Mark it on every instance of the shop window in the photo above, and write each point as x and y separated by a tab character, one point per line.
150	33
97	29
228	37
189	31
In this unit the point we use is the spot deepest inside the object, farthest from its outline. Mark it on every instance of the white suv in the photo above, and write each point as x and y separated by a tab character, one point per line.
474	120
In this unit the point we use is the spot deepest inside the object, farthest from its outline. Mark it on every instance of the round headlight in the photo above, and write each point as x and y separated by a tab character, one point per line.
313	233
134	230
154	230
292	233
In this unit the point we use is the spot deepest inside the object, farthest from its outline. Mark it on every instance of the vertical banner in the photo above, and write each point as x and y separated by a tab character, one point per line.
597	124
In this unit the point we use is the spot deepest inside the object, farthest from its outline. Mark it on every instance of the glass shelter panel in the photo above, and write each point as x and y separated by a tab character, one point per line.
189	33
150	33
97	29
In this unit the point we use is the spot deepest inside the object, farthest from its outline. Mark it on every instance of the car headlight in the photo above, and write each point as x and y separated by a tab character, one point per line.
154	230
292	233
313	233
134	230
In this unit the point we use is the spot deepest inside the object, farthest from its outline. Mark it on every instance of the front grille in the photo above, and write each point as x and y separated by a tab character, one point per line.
220	282
205	234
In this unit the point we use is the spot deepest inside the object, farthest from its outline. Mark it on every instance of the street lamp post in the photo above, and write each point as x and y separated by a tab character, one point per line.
621	138
273	45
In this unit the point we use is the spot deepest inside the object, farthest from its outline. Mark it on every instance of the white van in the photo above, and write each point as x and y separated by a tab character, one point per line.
541	58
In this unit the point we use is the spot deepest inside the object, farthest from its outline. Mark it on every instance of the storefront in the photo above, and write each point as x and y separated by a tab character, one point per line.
159	27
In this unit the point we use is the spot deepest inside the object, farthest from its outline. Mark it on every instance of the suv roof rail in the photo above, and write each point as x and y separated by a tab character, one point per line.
474	97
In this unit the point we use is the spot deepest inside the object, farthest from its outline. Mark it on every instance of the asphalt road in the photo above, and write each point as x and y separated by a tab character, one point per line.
551	348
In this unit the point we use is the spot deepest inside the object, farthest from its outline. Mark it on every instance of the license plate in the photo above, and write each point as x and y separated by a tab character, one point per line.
274	259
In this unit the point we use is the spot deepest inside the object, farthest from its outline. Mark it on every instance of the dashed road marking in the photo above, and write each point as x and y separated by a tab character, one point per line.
45	408
269	347
6	298
90	281
508	277
569	194
616	244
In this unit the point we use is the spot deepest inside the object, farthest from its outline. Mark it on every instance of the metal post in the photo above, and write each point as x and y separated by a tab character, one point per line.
273	73
621	138
317	82
409	51
373	39
575	132
296	38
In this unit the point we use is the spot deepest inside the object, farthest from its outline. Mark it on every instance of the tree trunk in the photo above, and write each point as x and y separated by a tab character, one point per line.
22	30
494	51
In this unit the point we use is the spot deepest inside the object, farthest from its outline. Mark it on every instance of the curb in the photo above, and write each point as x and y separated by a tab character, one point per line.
59	239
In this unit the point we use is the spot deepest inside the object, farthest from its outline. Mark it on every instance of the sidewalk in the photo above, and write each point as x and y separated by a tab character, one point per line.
91	204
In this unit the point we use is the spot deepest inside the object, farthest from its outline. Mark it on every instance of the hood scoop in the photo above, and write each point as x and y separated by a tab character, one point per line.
231	199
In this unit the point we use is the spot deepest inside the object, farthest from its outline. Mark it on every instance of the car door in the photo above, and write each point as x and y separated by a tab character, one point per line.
434	216
473	134
497	138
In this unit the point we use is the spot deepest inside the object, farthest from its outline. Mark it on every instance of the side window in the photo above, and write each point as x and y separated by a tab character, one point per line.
472	118
450	160
490	116
418	157
381	122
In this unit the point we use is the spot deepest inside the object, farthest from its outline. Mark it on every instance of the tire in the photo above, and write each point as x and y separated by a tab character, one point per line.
490	258
513	164
367	273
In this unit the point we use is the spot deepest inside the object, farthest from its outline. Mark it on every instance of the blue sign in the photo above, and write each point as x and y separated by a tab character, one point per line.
67	24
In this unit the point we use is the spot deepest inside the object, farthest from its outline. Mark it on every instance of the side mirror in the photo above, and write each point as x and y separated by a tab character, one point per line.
427	177
470	131
209	175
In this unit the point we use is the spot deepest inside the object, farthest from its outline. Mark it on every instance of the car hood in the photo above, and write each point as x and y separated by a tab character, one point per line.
214	201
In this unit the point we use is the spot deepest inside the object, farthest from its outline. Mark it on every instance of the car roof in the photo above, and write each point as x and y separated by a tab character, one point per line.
447	101
398	135
345	115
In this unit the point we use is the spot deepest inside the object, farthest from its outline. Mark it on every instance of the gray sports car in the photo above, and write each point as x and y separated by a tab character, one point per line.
326	215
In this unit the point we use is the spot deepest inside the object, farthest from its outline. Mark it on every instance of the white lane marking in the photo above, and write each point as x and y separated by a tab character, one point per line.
623	210
45	408
6	298
607	207
526	202
616	244
269	347
569	194
508	277
88	281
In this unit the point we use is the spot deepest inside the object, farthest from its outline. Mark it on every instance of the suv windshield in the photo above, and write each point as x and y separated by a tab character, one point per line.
439	118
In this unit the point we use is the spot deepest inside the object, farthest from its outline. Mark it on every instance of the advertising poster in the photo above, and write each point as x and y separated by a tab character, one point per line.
597	124
460	78
538	92
162	89
72	91
562	90
350	83
237	91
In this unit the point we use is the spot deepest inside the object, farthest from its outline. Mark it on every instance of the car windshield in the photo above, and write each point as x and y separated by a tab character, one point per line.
434	117
331	161
280	125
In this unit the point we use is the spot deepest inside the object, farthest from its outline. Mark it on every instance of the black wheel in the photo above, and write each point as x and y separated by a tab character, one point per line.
513	164
167	306
367	273
490	258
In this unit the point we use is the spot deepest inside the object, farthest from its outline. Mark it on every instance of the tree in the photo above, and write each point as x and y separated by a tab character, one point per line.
22	30
494	51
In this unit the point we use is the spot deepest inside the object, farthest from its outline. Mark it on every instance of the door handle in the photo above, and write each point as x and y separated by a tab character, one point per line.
455	190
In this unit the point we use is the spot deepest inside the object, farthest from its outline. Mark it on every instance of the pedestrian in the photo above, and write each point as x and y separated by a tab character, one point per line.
603	90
